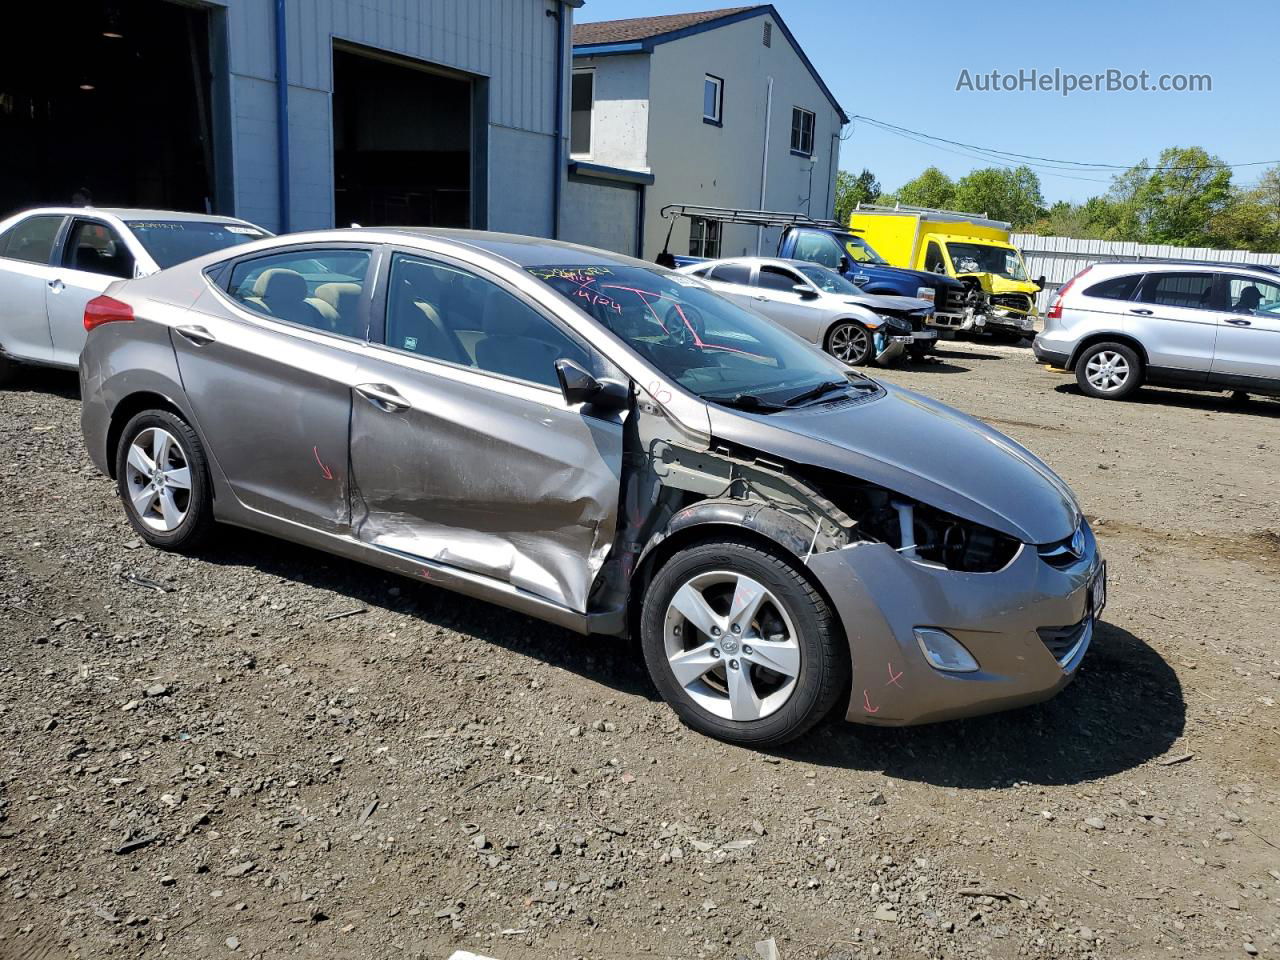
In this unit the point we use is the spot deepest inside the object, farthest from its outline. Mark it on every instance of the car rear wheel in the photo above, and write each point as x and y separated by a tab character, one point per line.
741	644
163	480
850	343
1109	371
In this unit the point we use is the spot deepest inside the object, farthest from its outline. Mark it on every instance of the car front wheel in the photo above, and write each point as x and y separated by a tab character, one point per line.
741	644
163	480
850	343
1109	371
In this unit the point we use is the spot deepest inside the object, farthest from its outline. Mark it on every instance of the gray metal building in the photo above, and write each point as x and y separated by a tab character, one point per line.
442	112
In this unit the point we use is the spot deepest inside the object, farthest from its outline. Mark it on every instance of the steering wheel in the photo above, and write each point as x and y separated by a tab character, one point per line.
685	326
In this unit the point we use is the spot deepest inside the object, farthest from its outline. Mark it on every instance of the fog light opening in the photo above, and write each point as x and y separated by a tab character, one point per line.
944	652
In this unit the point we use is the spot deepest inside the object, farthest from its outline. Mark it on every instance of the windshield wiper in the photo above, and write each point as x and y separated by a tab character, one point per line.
746	401
816	392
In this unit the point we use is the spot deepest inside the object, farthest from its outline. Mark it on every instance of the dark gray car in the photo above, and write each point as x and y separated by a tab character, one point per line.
606	445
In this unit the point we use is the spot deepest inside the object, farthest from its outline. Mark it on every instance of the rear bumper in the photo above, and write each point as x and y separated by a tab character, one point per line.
881	597
1045	354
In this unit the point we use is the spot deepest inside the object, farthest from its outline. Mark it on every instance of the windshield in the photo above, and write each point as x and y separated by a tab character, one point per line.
859	250
700	340
175	241
828	281
985	258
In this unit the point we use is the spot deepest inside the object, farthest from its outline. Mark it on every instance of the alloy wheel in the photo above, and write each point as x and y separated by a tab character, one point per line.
850	343
159	479
731	646
1107	370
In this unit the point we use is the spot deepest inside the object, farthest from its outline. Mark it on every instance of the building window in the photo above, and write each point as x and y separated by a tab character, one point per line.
712	99
583	98
768	34
802	131
704	238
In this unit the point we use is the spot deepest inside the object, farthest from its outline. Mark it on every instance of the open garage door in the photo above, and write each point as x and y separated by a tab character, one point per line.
108	97
403	139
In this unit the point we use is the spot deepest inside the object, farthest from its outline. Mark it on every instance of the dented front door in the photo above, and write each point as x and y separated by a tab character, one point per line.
460	458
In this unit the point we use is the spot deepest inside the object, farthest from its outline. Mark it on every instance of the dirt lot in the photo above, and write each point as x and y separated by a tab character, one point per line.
199	758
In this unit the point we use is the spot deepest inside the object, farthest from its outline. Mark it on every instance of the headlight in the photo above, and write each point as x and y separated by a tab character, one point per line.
897	324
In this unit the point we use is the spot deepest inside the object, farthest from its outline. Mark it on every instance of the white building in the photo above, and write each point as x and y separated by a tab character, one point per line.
719	108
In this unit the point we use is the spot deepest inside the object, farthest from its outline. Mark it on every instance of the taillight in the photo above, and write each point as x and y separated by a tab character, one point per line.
1055	308
105	309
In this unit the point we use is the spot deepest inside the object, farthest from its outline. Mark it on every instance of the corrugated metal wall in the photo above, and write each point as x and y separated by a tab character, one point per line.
511	43
1058	259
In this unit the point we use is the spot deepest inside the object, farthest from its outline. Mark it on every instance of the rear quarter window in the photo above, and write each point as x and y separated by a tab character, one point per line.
1116	288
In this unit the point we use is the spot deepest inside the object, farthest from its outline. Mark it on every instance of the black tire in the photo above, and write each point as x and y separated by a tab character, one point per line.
850	342
197	520
823	673
1126	369
920	353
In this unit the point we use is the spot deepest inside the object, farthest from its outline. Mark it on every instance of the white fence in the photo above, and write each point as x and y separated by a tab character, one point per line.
1058	259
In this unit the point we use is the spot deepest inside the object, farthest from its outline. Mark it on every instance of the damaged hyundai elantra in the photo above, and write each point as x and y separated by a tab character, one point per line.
606	445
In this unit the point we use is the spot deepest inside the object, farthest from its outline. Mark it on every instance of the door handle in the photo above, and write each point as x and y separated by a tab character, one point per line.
1241	323
56	286
1141	312
761	298
197	335
383	397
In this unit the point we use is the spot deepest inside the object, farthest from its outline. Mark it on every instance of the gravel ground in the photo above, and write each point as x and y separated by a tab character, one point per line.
203	757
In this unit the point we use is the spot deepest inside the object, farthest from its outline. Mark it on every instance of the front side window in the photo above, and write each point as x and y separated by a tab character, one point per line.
702	341
1194	290
776	278
445	313
704	238
802	131
933	259
987	258
95	248
712	99
1257	297
172	242
31	240
582	108
320	289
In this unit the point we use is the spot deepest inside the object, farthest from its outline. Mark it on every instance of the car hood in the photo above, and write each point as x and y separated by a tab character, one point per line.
925	278
923	449
878	301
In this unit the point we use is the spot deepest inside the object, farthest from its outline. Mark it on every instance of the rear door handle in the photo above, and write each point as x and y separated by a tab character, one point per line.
1241	323
1141	313
56	286
383	397
197	335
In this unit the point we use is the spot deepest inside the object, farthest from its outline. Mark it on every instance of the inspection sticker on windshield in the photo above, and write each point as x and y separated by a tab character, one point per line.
247	231
684	281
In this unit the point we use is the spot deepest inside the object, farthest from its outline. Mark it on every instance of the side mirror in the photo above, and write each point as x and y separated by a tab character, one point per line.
845	265
579	386
1040	281
806	292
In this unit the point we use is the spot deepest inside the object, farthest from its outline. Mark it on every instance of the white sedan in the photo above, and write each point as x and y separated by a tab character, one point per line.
54	260
823	307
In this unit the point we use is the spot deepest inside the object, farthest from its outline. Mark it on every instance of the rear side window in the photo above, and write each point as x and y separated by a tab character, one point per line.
95	248
1117	288
313	288
31	240
731	273
1194	290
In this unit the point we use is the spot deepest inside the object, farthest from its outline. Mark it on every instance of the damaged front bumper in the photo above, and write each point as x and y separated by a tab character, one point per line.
1027	626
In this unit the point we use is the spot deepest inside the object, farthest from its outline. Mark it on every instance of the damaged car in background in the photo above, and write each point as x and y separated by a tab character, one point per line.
606	445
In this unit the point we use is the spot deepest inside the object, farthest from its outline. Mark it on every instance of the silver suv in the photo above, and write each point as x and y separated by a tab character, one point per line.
1197	326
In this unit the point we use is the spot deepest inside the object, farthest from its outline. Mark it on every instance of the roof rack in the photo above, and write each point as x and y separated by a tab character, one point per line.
751	218
1186	262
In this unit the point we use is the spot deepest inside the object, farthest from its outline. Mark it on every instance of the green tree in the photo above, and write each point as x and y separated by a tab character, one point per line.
932	188
1252	220
1174	200
852	190
1001	193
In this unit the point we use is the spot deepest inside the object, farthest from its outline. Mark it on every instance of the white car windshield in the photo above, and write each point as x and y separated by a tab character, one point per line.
828	281
702	341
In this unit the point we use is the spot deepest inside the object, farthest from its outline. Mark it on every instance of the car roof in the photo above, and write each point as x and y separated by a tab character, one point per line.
761	261
132	214
519	250
1146	266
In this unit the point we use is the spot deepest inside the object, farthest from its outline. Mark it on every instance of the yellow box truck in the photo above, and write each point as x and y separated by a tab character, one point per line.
969	248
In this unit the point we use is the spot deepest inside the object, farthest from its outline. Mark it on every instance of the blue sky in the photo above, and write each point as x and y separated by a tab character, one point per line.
899	62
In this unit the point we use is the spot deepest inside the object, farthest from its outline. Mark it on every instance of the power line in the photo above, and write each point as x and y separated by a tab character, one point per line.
1050	162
